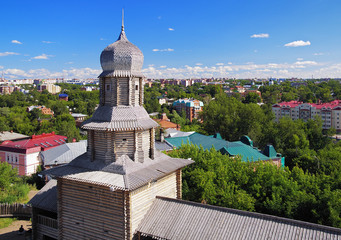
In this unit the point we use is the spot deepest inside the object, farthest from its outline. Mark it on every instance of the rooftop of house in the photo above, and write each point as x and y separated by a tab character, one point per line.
167	124
36	143
177	219
11	136
63	154
242	148
293	104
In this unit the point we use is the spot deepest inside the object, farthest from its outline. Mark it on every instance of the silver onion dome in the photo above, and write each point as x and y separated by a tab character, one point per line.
121	58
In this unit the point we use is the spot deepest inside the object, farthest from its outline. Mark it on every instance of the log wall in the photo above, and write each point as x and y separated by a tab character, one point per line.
123	91
146	143
135	89
46	226
89	211
142	198
125	144
103	146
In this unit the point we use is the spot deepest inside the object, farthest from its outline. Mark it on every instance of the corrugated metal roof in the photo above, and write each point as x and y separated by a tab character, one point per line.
247	152
10	136
64	153
124	174
121	118
46	198
163	146
178	219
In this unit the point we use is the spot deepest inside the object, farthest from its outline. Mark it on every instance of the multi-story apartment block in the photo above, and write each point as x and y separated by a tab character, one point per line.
330	113
192	107
51	88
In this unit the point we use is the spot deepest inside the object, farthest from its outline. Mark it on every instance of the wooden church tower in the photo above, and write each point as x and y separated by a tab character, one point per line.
105	193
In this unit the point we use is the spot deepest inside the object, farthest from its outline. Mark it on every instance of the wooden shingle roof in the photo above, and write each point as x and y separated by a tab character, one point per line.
121	118
124	174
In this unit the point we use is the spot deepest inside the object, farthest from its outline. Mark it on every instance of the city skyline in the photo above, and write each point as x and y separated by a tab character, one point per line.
189	39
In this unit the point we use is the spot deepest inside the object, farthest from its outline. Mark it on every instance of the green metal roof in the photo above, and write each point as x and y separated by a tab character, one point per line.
247	152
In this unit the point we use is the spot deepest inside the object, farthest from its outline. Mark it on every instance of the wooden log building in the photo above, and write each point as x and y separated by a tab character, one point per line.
105	193
122	188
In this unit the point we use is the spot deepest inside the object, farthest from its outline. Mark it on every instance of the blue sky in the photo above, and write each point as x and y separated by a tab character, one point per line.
179	39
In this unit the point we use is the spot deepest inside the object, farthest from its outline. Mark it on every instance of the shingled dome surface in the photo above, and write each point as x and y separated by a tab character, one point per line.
121	59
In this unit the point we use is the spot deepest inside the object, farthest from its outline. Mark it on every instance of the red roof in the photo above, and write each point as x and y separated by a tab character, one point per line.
330	105
36	143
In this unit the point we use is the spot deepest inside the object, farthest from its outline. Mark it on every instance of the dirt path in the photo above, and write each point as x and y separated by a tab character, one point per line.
11	232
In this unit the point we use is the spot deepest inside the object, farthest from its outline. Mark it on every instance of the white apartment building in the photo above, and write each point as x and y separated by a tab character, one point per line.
330	113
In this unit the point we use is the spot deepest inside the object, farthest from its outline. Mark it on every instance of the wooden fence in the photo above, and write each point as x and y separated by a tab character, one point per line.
15	210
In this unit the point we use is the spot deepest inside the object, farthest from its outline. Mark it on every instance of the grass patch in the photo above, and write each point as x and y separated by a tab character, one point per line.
5	222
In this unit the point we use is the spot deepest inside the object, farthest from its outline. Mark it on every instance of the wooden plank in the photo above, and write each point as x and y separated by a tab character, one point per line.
142	198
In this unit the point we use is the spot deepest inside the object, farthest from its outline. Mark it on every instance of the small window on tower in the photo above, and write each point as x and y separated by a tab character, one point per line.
137	87
108	87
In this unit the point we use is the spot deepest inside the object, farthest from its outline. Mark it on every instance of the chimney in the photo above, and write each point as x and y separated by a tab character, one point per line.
162	136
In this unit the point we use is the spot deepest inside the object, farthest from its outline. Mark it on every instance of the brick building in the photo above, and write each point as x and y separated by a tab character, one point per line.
192	107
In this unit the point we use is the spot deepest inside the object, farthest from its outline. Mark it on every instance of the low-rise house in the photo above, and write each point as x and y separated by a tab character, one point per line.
62	154
79	118
243	148
64	97
44	110
11	136
24	154
165	123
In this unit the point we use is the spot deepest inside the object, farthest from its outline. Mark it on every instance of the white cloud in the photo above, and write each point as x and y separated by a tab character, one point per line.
163	66
43	56
260	35
81	73
299	59
299	69
219	64
48	42
171	29
1	67
102	39
318	54
298	43
69	63
302	69
163	50
3	54
306	62
198	64
229	63
16	42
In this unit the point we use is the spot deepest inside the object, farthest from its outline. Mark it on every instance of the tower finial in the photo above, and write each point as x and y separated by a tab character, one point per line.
122	19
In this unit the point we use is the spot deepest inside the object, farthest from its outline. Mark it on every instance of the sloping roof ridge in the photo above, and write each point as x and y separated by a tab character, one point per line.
255	214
